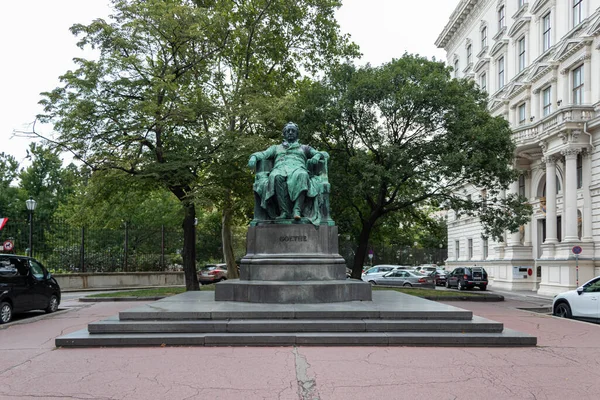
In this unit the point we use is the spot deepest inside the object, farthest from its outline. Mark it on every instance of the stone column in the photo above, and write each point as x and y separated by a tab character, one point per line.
513	117
587	197
535	105
501	245
529	226
564	88
554	92
570	194
514	238
551	236
587	79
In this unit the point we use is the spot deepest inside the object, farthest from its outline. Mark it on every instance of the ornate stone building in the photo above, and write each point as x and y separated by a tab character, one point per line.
540	63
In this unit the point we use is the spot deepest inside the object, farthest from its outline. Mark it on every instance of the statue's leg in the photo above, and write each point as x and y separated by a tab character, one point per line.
299	205
283	197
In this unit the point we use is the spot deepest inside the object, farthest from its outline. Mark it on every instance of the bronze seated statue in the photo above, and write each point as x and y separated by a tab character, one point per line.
291	183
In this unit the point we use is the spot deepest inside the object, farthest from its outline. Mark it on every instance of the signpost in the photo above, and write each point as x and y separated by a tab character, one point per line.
371	257
577	251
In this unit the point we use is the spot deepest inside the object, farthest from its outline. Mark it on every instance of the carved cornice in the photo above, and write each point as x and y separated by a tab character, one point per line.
498	47
521	24
517	88
480	64
570	47
460	20
540	70
521	11
539	5
500	33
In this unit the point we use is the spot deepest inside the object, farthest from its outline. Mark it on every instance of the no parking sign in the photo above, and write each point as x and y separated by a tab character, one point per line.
8	245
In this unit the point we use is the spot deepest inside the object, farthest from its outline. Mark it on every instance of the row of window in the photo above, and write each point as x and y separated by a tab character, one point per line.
577	14
470	249
577	87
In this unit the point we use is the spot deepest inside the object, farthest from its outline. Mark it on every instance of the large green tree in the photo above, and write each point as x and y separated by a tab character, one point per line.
142	107
176	85
405	137
47	180
272	42
10	206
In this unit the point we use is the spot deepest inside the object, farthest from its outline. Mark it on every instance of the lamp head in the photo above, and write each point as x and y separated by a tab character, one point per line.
30	204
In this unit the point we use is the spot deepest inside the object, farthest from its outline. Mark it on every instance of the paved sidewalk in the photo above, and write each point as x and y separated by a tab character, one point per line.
563	366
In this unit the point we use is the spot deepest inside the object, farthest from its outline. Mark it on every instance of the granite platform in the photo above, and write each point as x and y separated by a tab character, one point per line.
390	319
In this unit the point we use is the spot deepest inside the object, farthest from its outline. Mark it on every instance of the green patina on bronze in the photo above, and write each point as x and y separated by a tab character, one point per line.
291	183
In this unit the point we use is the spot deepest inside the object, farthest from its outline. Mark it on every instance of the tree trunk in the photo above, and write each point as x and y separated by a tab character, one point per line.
227	238
361	250
189	247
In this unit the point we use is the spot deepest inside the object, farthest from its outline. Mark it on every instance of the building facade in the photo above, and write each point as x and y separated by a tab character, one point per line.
539	60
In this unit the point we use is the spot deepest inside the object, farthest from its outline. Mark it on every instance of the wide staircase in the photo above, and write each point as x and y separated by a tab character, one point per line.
390	319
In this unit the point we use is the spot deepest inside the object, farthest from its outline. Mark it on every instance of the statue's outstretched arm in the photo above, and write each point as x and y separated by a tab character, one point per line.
260	155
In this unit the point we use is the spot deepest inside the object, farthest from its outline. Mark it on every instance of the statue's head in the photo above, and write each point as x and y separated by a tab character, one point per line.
290	132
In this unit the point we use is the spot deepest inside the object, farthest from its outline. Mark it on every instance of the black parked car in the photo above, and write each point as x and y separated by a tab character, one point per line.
468	278
25	285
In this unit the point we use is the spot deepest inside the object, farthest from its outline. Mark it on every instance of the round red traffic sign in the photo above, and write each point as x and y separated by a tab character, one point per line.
7	245
576	249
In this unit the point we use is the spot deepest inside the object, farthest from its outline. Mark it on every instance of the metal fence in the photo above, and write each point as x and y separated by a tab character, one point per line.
395	255
64	248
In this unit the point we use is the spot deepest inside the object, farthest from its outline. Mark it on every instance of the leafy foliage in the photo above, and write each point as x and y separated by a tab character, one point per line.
406	138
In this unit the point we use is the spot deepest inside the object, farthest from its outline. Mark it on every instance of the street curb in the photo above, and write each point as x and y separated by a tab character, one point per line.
117	289
482	298
103	299
34	319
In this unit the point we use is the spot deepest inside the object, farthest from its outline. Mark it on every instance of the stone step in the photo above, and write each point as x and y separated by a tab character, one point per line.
178	315
507	338
114	325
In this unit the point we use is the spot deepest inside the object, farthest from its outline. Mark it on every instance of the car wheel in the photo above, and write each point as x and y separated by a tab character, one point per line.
407	285
563	310
5	312
52	304
373	282
460	286
448	284
483	287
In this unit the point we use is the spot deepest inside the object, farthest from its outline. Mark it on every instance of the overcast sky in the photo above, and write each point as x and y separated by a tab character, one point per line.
37	47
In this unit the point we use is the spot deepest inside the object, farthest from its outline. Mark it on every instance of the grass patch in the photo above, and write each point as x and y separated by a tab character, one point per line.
431	292
164	291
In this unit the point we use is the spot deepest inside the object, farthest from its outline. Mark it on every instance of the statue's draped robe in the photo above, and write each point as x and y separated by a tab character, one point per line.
290	162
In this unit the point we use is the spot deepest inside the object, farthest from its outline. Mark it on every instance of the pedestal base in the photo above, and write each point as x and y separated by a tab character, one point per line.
300	292
297	263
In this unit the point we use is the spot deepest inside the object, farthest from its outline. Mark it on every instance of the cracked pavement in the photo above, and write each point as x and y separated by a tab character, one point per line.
564	365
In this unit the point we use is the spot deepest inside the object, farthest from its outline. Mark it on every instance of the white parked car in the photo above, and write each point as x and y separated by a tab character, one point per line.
378	271
581	303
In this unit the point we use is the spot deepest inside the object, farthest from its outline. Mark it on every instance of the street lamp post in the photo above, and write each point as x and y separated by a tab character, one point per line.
30	204
415	244
440	253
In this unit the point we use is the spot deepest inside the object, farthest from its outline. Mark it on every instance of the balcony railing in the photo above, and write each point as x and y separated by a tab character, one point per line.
558	120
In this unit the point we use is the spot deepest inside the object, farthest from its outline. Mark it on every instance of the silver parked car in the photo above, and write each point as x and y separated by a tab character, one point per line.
376	272
405	278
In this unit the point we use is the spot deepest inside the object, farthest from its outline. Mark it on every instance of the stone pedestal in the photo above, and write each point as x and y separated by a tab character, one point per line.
292	263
